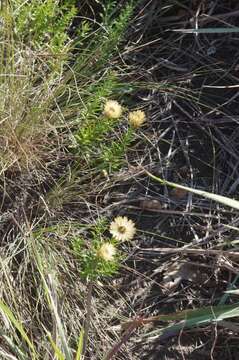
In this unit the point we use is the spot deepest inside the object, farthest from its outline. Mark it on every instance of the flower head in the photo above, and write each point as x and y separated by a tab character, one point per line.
122	228
107	252
112	109
137	118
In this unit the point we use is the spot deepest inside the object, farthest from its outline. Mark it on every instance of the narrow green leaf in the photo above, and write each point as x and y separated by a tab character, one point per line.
57	352
230	288
80	345
233	292
218	198
8	313
205	316
222	30
197	317
53	307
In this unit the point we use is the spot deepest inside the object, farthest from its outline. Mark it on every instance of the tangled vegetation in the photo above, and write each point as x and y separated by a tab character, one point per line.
118	172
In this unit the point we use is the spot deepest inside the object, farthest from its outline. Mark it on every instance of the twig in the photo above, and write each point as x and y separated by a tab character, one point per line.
193	251
130	328
88	316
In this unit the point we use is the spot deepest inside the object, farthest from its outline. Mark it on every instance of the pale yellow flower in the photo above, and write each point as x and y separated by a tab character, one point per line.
137	118
112	109
107	252
122	228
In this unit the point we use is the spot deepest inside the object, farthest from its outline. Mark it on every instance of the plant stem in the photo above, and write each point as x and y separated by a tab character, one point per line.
88	316
123	340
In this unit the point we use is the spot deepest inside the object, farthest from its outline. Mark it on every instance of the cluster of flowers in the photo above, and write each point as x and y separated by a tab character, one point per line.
122	229
114	110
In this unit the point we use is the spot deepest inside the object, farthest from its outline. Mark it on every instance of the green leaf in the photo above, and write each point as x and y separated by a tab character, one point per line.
8	313
222	30
218	198
52	305
80	345
57	352
233	292
197	317
204	316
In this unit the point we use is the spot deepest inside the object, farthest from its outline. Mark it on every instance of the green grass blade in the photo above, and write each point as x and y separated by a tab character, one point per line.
218	198
53	307
57	352
197	317
230	290
204	316
222	30
233	292
80	345
15	349
8	313
201	315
